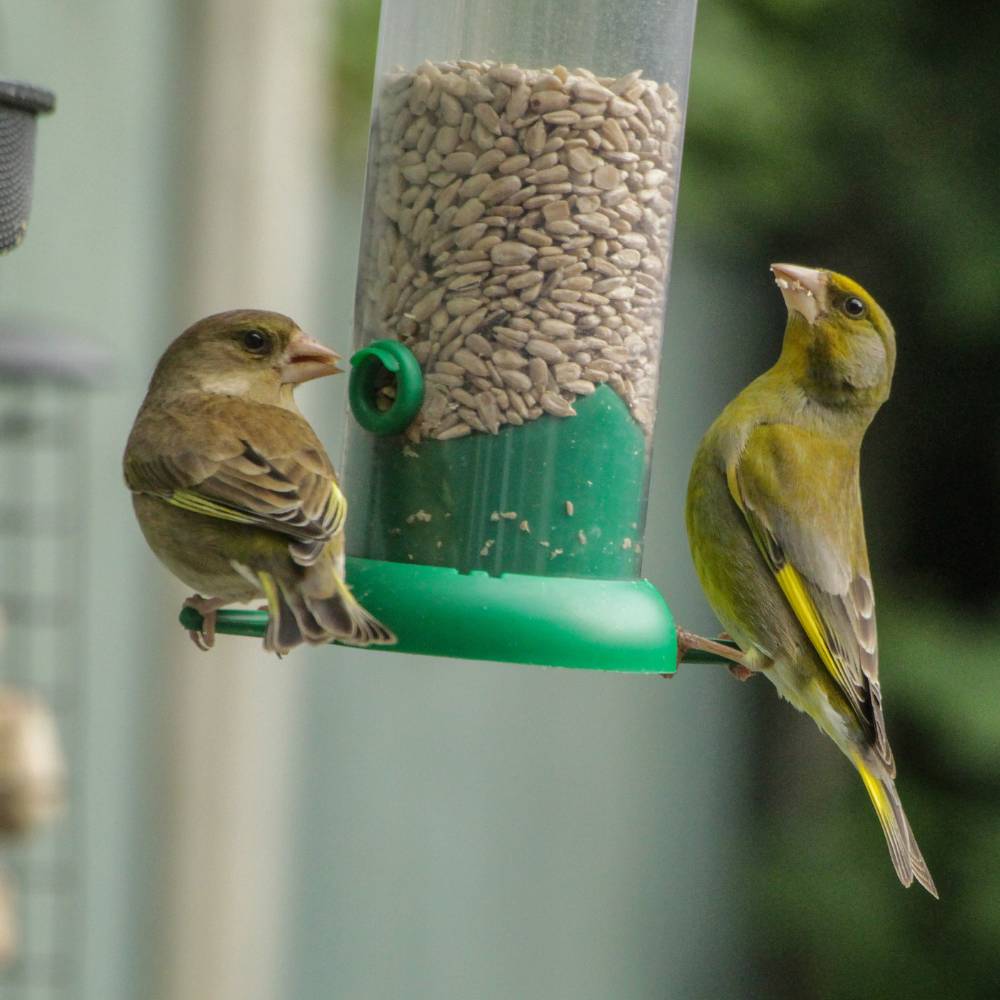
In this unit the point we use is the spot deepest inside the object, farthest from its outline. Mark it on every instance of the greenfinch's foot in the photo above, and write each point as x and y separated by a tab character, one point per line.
204	638
740	672
687	641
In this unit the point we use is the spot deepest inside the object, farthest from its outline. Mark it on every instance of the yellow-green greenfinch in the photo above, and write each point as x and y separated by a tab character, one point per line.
776	532
233	490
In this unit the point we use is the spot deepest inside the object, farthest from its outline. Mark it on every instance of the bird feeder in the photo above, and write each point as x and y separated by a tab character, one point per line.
519	215
20	104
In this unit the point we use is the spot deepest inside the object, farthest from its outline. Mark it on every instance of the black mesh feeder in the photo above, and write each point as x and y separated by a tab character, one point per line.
20	105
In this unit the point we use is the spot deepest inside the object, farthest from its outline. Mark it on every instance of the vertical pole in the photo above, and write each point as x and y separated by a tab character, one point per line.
255	105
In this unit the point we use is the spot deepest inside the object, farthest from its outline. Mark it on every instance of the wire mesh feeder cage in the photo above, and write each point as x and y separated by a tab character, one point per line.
43	449
20	104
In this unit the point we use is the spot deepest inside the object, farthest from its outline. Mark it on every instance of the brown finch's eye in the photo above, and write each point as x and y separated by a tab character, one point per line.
854	307
255	341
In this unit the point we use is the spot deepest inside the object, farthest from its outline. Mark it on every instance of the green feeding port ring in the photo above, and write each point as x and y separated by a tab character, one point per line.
386	389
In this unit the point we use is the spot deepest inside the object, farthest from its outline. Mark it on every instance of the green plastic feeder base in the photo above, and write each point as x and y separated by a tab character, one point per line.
617	625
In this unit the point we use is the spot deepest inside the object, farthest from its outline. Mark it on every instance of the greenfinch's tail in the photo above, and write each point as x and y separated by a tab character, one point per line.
297	617
906	857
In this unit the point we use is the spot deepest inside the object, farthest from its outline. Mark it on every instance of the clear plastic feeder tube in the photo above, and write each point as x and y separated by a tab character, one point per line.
519	214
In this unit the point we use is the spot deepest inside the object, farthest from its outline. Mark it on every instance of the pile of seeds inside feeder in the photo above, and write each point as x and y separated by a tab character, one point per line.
519	230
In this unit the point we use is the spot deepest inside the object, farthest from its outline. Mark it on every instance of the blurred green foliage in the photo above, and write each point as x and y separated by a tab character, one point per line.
863	137
864	131
352	71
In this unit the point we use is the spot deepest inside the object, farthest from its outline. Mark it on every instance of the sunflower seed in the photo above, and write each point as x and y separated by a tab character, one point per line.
517	103
511	252
545	350
462	305
515	379
538	374
500	189
427	304
489	161
457	431
488	117
467	236
510	336
473	320
553	403
557	328
562	227
488	411
607	177
474	186
546	101
478	345
514	164
566	371
506	358
534	138
468	213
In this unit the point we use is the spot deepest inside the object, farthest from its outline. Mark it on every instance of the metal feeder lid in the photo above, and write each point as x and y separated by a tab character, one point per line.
25	97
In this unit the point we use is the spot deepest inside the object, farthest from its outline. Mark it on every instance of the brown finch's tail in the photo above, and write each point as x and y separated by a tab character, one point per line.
297	616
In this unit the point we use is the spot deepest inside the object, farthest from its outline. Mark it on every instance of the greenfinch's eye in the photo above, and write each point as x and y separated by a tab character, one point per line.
854	307
255	342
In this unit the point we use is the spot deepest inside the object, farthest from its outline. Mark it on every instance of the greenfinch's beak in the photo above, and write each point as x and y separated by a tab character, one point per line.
307	359
804	289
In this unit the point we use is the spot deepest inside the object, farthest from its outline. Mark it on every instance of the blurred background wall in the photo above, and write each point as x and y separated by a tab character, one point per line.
367	825
98	263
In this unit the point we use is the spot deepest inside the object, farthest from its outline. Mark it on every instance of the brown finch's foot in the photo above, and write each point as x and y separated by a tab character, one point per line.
207	607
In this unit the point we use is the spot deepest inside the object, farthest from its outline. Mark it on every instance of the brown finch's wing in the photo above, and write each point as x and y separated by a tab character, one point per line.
242	462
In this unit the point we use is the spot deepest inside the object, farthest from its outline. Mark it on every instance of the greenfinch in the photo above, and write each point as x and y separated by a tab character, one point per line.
776	532
233	490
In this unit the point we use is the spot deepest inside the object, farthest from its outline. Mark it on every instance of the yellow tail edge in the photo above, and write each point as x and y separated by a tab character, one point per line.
903	850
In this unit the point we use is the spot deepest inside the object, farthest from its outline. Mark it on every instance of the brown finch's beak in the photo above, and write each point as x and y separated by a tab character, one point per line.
307	359
804	289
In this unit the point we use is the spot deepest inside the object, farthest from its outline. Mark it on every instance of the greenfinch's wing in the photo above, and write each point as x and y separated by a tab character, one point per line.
242	462
800	496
